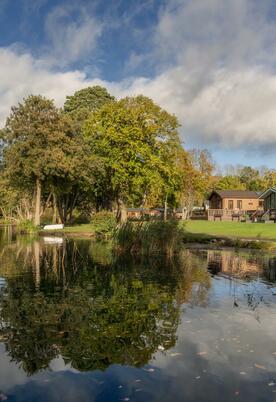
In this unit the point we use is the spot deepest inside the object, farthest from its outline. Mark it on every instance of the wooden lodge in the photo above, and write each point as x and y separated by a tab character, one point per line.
234	204
269	200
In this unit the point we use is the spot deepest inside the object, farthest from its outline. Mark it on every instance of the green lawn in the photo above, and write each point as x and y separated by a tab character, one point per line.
232	229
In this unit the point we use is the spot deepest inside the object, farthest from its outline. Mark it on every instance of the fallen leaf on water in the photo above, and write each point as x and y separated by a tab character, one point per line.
175	354
151	370
260	366
242	373
138	380
198	377
201	353
271	383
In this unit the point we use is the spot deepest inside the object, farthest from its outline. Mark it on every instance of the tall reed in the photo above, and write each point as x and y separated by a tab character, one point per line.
149	238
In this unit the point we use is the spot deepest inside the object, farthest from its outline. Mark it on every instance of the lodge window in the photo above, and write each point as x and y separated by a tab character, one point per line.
230	204
261	204
239	204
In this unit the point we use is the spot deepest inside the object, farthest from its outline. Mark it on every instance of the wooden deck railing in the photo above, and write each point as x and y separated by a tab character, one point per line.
225	214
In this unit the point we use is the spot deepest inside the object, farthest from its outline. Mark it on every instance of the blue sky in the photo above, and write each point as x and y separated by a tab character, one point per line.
211	62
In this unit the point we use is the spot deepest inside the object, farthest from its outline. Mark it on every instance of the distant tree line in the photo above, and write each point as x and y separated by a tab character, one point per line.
96	153
245	178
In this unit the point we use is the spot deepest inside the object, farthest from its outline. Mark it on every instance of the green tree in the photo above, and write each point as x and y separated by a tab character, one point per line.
85	101
138	143
229	183
270	179
249	177
33	133
42	154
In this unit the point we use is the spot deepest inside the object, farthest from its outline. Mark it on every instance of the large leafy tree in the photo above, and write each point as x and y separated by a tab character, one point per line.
78	107
41	152
196	168
137	142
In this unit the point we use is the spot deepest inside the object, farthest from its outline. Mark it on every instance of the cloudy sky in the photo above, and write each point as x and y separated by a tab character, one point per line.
211	62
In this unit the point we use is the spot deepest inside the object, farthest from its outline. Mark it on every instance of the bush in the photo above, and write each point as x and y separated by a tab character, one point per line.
27	226
104	223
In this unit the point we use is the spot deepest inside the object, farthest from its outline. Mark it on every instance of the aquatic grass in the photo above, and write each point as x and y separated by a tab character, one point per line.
149	238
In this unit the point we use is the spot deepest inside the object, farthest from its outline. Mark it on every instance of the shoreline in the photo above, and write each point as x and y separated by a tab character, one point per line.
193	242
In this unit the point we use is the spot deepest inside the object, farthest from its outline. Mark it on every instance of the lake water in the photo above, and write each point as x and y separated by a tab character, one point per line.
80	324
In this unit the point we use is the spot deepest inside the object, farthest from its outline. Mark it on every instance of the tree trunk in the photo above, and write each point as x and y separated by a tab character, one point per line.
166	208
121	212
54	220
37	202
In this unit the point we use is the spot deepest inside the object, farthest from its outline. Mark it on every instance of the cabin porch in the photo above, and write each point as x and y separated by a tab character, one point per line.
227	214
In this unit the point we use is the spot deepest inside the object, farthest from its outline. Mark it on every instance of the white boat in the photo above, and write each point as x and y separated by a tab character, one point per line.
54	227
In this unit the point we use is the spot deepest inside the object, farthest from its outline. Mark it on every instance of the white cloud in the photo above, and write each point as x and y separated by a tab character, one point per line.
21	75
73	33
215	69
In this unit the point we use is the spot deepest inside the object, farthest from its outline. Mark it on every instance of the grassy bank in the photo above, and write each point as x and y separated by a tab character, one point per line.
235	230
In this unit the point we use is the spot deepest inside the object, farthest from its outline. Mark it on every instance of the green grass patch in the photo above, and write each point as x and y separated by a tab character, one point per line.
236	230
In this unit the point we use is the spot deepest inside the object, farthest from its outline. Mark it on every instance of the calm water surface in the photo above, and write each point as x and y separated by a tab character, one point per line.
78	324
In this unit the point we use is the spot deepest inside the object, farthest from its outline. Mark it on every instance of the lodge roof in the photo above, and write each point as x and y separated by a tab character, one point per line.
240	194
268	192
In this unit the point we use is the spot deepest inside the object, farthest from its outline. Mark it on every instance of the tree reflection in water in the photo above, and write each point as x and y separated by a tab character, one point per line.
79	301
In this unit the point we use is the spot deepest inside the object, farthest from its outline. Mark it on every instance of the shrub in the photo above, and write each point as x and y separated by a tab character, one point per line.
104	223
27	226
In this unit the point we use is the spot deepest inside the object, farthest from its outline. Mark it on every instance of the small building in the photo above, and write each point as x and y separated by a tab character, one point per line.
235	199
135	213
269	199
232	204
144	213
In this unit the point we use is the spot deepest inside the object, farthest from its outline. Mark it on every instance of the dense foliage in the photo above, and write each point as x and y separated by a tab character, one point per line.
96	153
